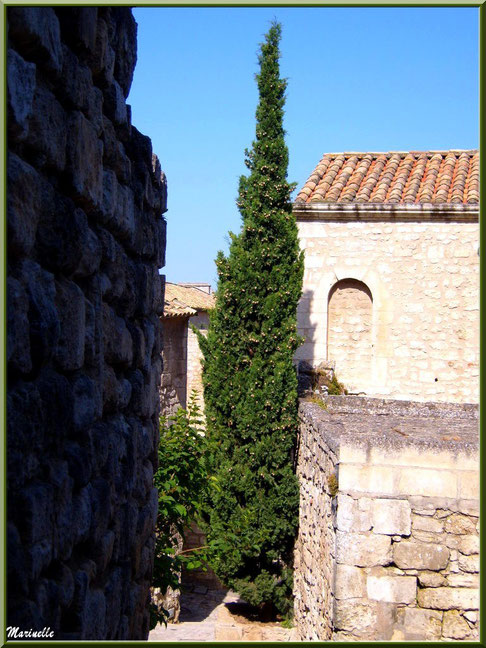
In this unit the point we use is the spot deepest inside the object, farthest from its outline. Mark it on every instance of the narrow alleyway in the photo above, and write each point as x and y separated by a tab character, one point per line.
217	615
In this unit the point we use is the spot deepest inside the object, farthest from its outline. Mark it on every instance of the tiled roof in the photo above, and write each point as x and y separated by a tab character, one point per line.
182	300
416	177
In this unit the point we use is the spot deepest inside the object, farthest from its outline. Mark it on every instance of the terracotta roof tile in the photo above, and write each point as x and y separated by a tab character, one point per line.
432	177
183	300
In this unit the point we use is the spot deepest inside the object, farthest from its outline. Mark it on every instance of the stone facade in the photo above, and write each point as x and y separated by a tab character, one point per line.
393	301
388	540
86	238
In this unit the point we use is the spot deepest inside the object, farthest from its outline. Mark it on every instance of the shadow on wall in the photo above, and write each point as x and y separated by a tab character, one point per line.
307	329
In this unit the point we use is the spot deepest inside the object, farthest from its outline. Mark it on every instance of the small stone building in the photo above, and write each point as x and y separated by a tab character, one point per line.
391	282
185	305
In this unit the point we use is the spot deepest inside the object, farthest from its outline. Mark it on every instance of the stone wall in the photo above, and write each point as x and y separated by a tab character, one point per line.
424	283
86	238
388	540
173	386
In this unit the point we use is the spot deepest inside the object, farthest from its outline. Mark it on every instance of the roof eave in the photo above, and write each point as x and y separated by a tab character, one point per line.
385	211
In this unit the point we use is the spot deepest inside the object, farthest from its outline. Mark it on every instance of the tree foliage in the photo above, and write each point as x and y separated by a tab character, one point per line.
250	384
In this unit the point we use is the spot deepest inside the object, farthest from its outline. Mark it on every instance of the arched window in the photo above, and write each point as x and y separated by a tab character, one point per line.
349	344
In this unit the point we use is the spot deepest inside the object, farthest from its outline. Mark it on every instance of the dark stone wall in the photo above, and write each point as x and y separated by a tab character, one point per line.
86	238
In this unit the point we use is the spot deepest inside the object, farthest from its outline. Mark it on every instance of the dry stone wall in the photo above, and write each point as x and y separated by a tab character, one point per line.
388	545
86	238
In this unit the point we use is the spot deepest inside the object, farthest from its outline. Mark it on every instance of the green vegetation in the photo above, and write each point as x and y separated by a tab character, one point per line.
249	379
181	480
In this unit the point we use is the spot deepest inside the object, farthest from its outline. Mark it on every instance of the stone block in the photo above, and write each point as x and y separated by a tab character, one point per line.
431	483
392	589
47	130
469	484
18	341
426	523
463	580
87	402
419	625
359	618
78	26
21	81
23	206
114	104
366	479
469	563
353	515
70	303
460	524
36	33
84	163
449	598
349	582
454	626
227	633
415	555
391	517
363	550
469	544
117	340
431	579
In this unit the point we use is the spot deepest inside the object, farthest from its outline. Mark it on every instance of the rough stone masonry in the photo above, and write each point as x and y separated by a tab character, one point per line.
388	544
86	238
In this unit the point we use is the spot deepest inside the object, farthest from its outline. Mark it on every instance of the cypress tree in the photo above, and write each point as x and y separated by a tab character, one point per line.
250	384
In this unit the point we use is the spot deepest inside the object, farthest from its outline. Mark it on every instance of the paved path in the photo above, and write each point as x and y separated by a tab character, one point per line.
205	617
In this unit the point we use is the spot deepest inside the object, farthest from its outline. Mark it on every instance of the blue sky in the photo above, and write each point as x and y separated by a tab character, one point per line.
374	79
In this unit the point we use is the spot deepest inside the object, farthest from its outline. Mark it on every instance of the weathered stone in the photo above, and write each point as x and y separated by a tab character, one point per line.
23	206
463	580
454	626
20	94
353	515
36	32
469	545
85	161
355	616
363	550
459	524
421	523
117	340
350	582
414	555
469	563
78	25
47	130
114	104
431	579
18	342
419	625
449	598
392	589
70	303
87	403
391	517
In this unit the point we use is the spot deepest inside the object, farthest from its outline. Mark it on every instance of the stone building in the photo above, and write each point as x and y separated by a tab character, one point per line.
391	283
185	305
86	239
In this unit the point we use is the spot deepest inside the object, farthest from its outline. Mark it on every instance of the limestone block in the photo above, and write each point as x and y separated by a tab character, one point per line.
392	589
21	81
460	524
349	582
431	579
432	483
469	545
454	626
353	515
419	625
469	563
391	517
366	479
422	523
363	550
355	616
463	580
415	555
449	598
469	484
